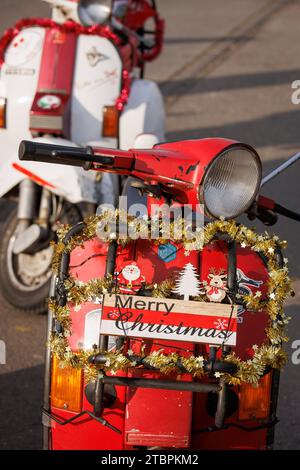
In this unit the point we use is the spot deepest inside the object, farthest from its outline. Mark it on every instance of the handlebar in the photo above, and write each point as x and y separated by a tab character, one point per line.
61	154
266	210
286	212
136	163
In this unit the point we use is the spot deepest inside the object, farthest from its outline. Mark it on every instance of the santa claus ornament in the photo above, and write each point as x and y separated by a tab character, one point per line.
130	279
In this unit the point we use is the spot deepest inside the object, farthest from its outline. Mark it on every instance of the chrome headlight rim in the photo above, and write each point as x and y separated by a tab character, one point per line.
234	146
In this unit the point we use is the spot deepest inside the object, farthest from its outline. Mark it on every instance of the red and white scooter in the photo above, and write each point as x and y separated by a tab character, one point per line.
76	80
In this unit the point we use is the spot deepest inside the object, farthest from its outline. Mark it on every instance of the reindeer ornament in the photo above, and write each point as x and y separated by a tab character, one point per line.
215	287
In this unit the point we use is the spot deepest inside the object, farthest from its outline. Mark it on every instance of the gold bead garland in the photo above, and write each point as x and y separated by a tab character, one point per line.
270	354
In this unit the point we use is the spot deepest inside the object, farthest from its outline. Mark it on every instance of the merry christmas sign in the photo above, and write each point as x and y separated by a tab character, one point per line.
170	319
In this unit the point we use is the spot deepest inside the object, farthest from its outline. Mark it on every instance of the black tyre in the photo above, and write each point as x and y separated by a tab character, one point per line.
25	278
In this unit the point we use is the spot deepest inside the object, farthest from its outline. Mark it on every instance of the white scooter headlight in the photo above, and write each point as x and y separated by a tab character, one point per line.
92	12
231	182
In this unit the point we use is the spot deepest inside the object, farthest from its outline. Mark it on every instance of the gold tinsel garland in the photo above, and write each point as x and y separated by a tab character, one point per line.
270	354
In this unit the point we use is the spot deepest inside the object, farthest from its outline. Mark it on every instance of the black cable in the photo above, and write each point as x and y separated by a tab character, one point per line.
267	425
286	212
64	422
228	326
86	260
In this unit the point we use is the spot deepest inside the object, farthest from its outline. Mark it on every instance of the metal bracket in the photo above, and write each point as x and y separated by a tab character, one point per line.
220	389
63	422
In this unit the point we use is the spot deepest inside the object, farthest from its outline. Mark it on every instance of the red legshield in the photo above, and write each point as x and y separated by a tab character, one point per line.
50	110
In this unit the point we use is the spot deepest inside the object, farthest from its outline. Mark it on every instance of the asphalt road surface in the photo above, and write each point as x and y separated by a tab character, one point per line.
226	70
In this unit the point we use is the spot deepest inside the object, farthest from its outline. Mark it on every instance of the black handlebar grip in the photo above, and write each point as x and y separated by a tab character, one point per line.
61	154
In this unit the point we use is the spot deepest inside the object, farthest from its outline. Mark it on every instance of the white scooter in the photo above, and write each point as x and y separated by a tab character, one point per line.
73	80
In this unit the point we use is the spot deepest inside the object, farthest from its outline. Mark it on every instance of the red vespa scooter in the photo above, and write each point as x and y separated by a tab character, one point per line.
166	341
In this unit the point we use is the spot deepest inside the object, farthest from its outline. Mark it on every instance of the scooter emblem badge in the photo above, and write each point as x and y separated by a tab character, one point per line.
94	56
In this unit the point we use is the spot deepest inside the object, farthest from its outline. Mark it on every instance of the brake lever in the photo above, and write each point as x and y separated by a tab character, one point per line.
266	216
266	210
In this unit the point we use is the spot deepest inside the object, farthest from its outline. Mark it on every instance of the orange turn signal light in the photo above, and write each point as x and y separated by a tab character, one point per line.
2	113
110	121
254	401
66	387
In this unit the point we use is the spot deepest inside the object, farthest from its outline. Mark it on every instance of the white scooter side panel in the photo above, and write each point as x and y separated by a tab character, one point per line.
97	83
144	114
18	83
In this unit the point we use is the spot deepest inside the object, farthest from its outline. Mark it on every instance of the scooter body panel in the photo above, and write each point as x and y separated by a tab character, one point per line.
143	114
97	83
18	83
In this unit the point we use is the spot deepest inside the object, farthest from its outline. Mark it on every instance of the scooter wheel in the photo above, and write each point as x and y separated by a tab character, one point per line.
24	278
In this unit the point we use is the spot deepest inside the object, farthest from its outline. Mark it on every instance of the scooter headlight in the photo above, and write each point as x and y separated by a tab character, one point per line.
231	182
92	12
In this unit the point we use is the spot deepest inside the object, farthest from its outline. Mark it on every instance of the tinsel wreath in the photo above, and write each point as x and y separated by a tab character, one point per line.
72	28
269	354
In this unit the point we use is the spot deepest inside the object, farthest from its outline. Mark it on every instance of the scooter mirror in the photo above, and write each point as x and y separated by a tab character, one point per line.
120	9
91	12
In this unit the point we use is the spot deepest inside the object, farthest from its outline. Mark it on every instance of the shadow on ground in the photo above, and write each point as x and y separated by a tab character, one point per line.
21	395
289	394
276	129
195	85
